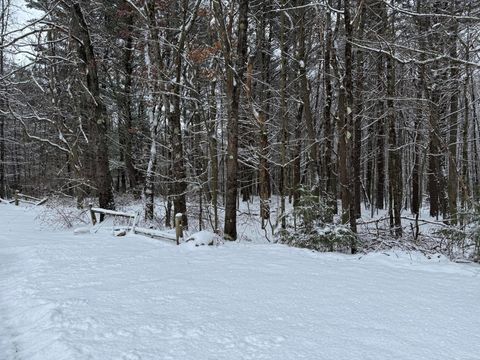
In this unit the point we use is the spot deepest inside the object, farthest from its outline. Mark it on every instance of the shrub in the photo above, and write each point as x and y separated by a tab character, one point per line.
329	238
61	213
312	211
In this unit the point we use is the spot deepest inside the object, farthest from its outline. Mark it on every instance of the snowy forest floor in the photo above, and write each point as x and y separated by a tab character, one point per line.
95	296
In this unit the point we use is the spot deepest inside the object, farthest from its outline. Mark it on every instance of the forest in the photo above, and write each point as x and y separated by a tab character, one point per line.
325	113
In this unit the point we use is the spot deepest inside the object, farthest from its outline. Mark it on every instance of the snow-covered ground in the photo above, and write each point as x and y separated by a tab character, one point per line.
94	296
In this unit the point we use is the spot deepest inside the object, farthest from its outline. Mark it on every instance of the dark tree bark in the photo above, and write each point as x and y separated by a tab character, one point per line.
349	116
416	180
297	158
434	158
416	200
178	167
128	116
2	108
452	146
358	120
234	80
283	135
213	150
263	90
304	90
345	130
99	117
394	159
329	168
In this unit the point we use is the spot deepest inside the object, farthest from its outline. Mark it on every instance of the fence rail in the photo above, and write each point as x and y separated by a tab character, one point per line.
156	234
19	197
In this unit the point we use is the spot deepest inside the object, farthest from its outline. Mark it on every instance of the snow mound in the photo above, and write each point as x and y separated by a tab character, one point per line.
203	238
81	230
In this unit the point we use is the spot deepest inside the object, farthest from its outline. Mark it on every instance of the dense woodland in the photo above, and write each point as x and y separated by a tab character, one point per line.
362	105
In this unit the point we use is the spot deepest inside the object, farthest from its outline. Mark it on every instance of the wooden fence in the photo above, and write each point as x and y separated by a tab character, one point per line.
27	199
133	228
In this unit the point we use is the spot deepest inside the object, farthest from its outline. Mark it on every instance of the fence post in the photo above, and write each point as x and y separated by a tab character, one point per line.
16	197
92	214
135	220
178	227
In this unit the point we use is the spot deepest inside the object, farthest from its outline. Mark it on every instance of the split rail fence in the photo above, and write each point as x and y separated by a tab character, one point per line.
133	221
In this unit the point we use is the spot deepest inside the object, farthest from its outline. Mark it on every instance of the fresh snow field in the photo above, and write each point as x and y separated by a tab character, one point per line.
94	296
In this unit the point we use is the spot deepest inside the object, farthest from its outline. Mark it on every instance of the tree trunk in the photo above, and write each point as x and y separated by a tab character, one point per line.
329	171
357	122
394	160
178	167
128	117
304	90
297	158
5	9
433	158
233	87
284	117
99	117
452	147
345	122
213	150
380	146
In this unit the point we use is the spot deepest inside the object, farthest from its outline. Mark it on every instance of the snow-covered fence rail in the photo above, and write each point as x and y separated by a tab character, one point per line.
19	197
103	212
156	234
163	235
31	199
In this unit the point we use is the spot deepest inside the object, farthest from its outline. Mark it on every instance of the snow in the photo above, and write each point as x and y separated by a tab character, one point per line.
81	230
203	238
213	22
95	296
